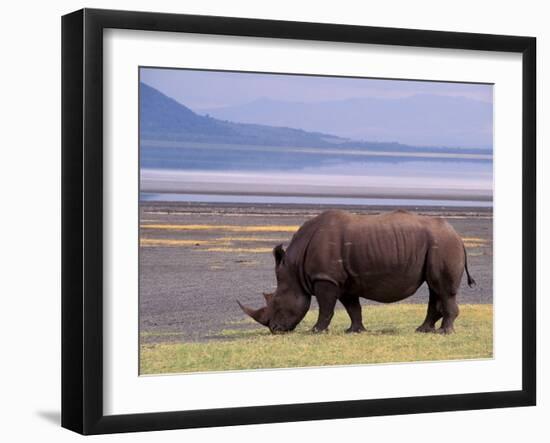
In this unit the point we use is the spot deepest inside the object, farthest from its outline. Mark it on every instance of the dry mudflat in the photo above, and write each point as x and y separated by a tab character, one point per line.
197	259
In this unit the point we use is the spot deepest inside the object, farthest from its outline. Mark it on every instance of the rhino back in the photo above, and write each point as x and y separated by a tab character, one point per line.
380	257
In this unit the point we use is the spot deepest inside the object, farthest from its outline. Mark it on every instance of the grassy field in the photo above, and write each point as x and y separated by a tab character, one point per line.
390	337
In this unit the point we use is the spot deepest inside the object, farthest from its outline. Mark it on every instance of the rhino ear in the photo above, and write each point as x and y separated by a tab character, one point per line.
279	254
267	296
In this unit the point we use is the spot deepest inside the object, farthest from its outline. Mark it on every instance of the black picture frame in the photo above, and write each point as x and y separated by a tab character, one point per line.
82	218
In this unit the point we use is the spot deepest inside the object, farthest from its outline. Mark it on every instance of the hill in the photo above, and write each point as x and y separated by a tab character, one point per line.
162	118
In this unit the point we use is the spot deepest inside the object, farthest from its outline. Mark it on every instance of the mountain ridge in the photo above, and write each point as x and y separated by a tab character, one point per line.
421	119
164	119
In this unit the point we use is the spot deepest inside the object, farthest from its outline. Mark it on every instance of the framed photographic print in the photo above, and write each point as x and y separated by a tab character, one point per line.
269	221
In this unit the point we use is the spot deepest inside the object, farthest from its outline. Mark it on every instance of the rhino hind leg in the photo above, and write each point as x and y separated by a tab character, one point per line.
433	315
449	308
353	308
441	304
327	294
445	266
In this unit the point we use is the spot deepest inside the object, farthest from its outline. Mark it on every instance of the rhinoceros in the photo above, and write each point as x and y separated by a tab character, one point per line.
342	256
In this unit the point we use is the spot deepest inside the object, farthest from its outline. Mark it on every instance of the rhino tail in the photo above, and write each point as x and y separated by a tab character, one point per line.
471	281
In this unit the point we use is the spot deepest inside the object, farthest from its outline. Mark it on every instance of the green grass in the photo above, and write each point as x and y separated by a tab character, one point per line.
390	337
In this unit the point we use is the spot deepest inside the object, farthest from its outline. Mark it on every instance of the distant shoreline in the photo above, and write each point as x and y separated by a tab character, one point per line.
254	199
275	209
275	184
363	194
409	151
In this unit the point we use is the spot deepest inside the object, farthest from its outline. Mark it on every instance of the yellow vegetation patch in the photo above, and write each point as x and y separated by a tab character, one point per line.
252	239
252	250
474	242
474	239
473	245
229	228
177	242
221	241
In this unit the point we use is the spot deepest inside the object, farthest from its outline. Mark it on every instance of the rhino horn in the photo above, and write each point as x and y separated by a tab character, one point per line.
260	315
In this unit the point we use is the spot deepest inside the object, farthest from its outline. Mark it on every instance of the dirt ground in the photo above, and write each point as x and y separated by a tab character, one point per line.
197	259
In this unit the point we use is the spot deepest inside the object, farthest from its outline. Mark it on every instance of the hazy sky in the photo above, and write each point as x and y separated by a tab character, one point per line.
211	89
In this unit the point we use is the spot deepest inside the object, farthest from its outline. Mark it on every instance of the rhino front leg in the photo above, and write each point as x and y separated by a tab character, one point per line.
327	293
353	308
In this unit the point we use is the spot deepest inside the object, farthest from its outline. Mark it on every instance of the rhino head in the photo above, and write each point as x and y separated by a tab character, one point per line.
287	306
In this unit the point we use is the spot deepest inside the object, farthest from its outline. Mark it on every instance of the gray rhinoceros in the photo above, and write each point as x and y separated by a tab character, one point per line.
341	256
